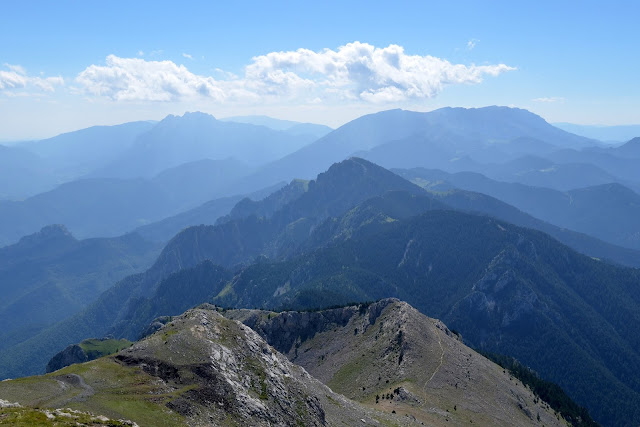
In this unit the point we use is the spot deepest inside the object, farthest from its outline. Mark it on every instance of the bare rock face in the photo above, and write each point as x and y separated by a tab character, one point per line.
199	369
232	374
70	355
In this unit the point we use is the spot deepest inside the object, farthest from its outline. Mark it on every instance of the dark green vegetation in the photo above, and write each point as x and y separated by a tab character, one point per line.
360	233
122	308
545	390
50	275
520	295
102	347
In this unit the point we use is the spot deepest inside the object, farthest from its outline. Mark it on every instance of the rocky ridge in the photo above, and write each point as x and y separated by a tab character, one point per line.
388	356
199	369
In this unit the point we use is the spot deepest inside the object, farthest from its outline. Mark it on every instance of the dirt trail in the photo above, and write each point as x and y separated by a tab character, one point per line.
424	388
76	381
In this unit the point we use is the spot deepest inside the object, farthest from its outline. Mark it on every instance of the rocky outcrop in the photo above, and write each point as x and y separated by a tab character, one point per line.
199	369
284	330
232	373
89	349
70	355
388	355
155	326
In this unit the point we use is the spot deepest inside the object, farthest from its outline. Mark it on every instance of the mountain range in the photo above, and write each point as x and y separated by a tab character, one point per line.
506	289
521	237
610	212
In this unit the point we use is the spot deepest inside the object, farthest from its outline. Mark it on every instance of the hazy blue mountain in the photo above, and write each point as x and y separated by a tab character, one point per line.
507	163
610	212
619	162
23	173
630	149
77	153
107	207
294	128
206	214
33	167
270	122
89	207
195	136
610	134
236	241
450	133
49	276
539	172
192	183
279	225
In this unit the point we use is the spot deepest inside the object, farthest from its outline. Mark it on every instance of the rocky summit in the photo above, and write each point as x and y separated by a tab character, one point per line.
388	356
199	369
394	365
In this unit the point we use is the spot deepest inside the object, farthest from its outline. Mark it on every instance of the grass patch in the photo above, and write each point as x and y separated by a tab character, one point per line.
95	348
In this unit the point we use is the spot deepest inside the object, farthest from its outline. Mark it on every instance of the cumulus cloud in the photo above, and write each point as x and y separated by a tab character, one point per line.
134	79
17	78
549	99
472	43
186	55
356	71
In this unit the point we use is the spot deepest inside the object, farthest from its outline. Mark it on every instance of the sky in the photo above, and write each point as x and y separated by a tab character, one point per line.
68	65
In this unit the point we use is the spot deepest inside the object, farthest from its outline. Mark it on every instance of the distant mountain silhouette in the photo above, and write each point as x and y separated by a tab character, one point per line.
195	136
74	154
49	276
610	212
609	134
313	130
629	149
443	135
108	207
23	173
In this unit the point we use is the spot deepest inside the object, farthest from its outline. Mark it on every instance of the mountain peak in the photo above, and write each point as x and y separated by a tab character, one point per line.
53	237
49	232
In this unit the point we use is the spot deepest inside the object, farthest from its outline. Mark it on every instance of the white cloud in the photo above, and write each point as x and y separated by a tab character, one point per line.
17	78
140	53
472	43
186	55
356	71
134	79
549	99
16	68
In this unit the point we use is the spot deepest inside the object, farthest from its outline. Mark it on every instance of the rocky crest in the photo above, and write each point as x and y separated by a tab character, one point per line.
70	355
199	369
389	356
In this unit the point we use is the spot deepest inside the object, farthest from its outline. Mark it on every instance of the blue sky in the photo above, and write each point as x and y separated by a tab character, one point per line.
68	65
